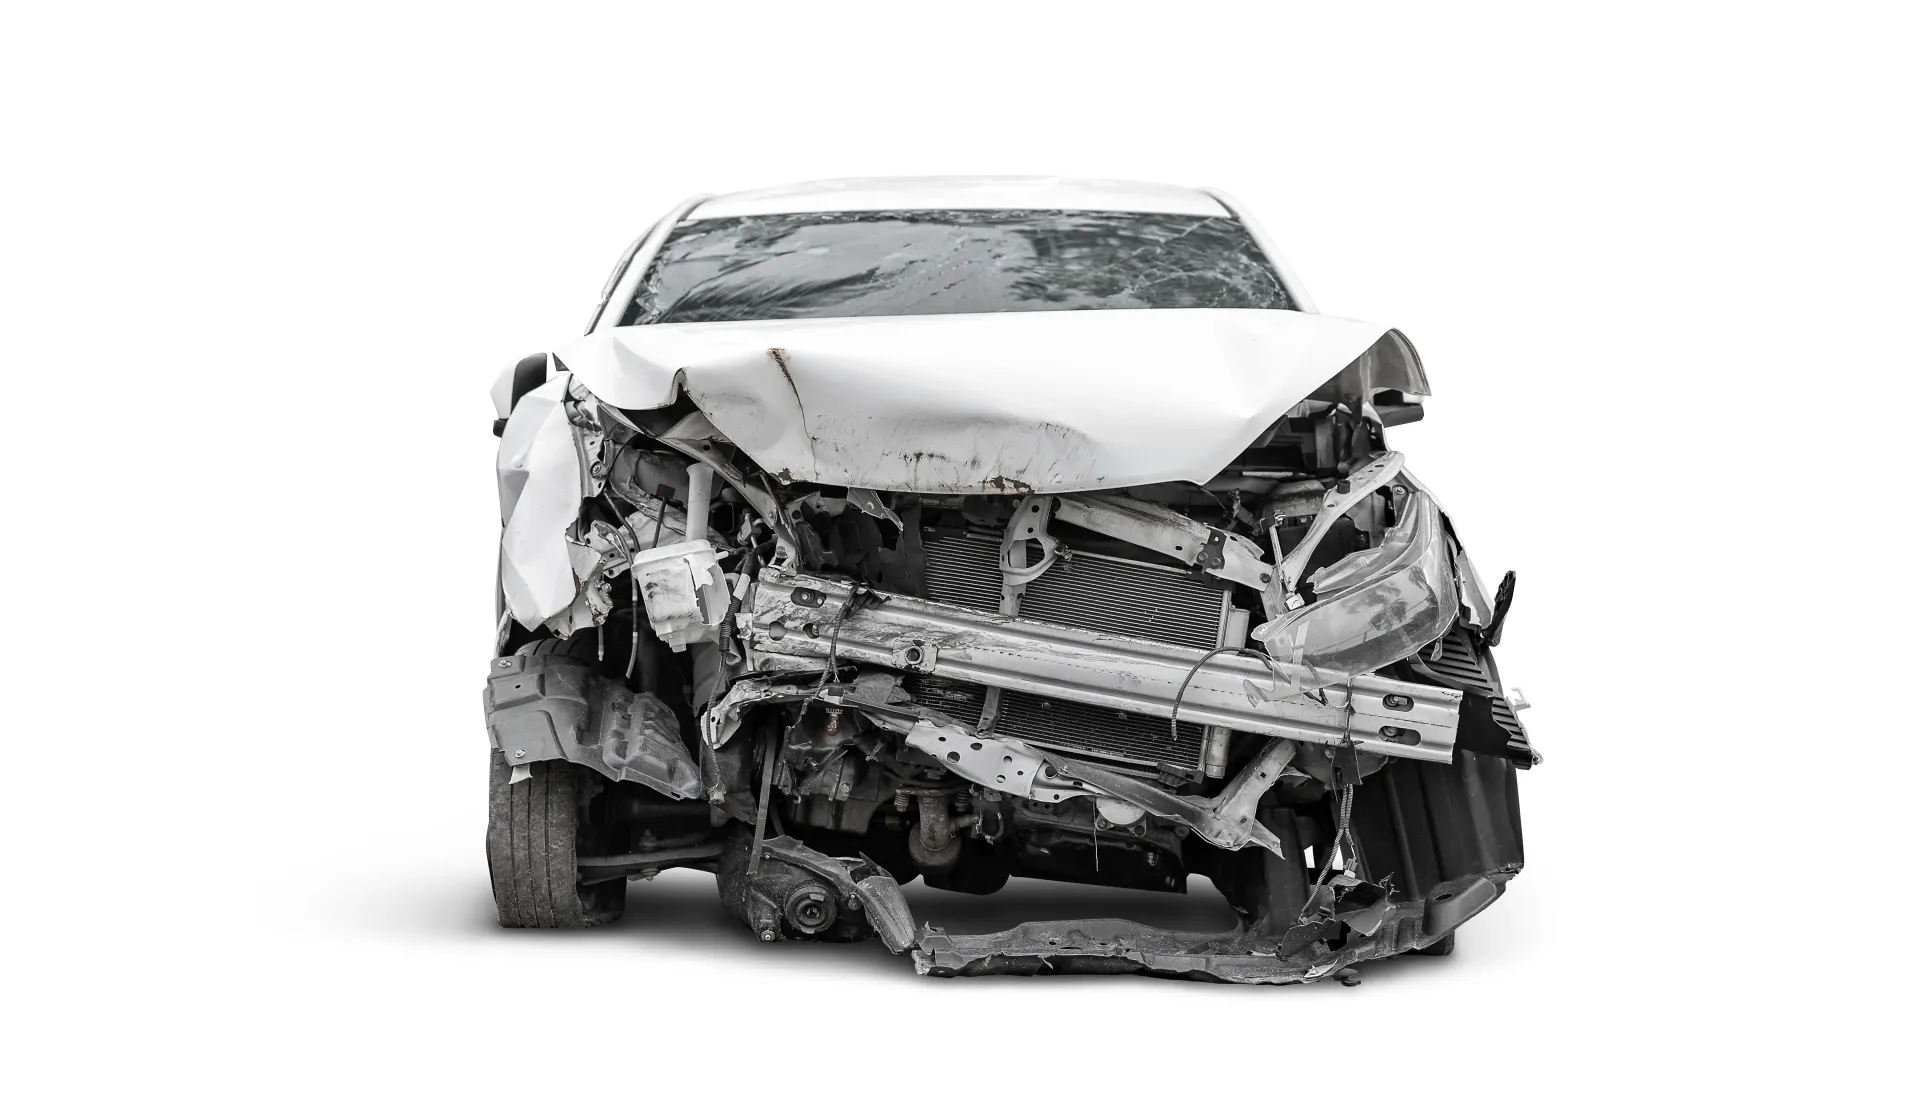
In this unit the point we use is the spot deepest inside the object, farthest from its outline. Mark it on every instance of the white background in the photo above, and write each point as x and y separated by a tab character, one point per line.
261	264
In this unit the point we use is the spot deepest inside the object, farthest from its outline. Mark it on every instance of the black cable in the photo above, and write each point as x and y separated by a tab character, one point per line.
1173	720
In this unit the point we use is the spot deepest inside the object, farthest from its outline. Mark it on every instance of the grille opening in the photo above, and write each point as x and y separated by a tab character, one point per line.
1092	591
1084	589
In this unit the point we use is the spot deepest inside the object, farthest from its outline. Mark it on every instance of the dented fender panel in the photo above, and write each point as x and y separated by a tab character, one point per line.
540	494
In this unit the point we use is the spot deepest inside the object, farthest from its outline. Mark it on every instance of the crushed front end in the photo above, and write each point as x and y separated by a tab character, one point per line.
1279	677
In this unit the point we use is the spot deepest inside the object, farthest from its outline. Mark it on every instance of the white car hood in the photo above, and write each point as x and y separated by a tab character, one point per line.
1050	401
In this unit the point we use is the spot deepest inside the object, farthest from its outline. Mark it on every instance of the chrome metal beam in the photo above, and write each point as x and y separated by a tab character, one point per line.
799	614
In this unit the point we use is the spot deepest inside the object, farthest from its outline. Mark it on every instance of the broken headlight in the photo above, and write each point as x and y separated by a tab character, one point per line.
1375	607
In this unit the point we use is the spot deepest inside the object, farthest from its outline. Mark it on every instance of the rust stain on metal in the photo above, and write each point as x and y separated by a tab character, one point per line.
779	357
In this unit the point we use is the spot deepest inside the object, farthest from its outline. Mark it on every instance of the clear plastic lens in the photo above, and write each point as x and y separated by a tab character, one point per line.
1376	607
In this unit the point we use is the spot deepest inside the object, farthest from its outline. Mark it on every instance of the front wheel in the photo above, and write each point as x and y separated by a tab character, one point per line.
535	831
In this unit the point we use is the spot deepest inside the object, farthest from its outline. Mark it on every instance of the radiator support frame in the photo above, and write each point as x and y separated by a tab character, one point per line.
1129	674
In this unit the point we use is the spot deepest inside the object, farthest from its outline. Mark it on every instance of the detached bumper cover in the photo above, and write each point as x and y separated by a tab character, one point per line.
1106	945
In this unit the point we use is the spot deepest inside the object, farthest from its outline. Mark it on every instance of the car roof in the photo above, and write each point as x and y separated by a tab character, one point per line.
996	192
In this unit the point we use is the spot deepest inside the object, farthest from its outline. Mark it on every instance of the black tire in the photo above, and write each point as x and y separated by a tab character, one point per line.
534	833
1440	948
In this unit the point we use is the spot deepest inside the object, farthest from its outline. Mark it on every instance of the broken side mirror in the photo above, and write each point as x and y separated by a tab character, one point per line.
514	382
1395	407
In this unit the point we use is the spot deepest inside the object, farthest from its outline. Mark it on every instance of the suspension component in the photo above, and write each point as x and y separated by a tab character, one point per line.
931	843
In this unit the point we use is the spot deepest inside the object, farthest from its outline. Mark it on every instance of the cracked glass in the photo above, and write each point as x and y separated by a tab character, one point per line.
948	262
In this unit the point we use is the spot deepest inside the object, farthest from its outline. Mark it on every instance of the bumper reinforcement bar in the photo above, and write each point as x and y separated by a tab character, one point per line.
797	614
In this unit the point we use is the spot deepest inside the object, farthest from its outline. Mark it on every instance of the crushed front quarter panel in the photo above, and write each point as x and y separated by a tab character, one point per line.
540	494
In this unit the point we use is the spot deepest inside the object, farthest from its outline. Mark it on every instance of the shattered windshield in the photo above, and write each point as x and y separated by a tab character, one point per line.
949	262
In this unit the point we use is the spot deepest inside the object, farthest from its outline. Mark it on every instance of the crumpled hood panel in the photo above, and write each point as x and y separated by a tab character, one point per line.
1050	401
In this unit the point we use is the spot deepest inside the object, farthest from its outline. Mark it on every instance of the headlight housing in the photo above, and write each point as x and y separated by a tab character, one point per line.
1376	607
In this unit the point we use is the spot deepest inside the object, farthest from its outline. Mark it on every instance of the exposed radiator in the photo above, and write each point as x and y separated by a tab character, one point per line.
1095	592
1084	589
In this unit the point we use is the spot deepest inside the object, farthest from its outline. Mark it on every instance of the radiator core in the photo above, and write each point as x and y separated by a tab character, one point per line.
1094	592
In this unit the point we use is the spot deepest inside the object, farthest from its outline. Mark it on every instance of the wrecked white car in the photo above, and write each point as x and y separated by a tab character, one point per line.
976	528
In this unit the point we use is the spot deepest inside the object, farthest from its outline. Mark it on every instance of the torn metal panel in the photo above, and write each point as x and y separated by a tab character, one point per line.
1426	902
1130	674
541	707
870	504
1109	945
722	718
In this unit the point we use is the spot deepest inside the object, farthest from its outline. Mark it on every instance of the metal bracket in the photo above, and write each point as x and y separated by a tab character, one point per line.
1111	670
1028	523
1227	555
1343	497
1235	805
869	503
1005	765
1010	766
